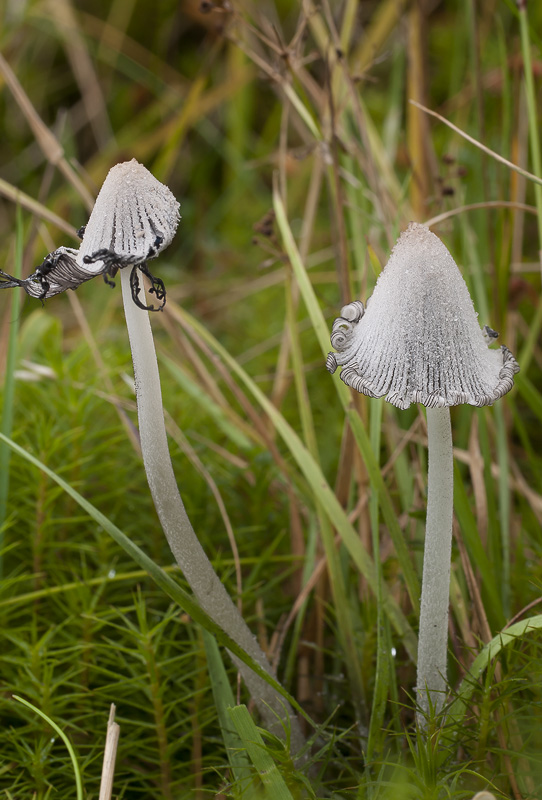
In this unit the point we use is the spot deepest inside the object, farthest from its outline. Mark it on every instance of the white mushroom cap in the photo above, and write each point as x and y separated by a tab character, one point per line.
131	210
419	340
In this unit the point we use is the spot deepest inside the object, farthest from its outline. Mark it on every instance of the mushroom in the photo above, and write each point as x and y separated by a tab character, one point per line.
134	218
419	341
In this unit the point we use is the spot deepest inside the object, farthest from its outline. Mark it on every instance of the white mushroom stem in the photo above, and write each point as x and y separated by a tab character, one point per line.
433	633
181	537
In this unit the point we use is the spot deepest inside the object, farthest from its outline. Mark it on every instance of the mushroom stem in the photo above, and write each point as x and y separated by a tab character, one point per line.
176	525
433	633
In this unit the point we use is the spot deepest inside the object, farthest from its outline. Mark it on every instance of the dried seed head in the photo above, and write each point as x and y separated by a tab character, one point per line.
419	340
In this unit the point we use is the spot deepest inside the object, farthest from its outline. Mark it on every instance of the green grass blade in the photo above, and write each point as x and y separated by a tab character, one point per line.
302	110
345	621
315	313
9	386
491	650
224	700
531	342
71	751
504	505
530	394
534	126
308	567
358	428
477	554
382	670
273	785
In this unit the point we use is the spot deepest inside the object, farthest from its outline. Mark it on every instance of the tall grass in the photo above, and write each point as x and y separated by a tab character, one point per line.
284	129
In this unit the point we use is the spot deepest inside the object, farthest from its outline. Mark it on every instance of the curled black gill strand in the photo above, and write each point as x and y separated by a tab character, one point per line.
157	288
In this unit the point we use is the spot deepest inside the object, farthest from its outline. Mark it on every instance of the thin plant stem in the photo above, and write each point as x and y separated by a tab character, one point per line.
9	387
176	525
49	145
433	634
452	212
63	736
534	178
34	207
382	672
110	756
504	505
531	114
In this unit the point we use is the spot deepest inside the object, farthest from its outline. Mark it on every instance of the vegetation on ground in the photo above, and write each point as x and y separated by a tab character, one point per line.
286	130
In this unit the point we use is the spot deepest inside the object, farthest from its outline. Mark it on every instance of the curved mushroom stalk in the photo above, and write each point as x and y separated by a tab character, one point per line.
419	341
176	525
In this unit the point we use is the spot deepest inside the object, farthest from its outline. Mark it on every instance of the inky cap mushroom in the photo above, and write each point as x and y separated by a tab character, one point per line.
418	340
135	217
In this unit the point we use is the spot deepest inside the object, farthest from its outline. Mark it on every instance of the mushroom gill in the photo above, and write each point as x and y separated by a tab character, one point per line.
418	340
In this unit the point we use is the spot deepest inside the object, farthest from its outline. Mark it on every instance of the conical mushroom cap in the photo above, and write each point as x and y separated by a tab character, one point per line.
132	209
419	340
